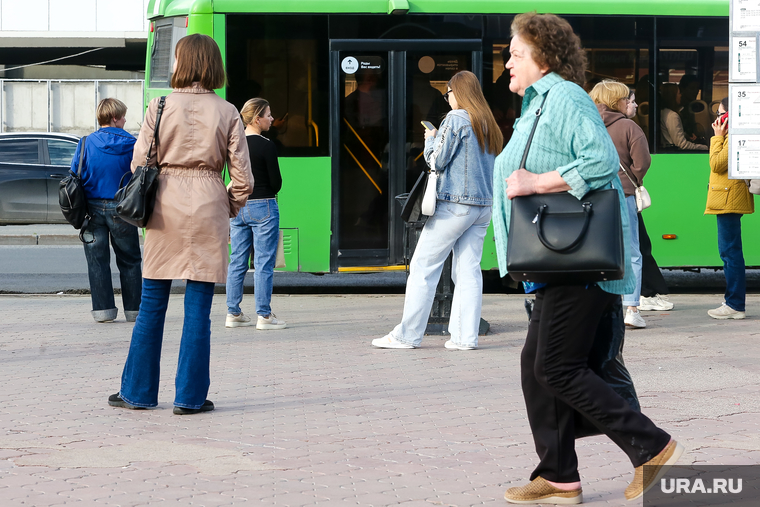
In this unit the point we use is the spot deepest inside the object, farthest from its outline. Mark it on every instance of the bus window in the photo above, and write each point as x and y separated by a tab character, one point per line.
283	59
692	78
167	33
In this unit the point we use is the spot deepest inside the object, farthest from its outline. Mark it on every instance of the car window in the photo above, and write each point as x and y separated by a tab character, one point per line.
61	152
19	151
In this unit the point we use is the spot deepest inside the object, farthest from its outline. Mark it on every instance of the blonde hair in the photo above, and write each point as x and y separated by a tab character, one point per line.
609	93
110	109
253	109
469	96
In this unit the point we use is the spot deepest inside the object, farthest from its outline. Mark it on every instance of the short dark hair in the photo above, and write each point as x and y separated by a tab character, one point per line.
198	60
554	44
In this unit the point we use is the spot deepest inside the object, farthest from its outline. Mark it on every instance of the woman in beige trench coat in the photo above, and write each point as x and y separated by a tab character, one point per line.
186	237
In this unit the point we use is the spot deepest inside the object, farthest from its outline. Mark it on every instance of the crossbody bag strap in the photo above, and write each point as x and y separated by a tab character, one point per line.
634	183
81	159
161	104
533	131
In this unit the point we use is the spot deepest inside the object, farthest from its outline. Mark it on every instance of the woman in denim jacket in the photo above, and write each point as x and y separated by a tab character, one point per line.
463	154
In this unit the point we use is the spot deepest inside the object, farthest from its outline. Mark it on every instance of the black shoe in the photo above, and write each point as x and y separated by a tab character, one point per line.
207	406
115	401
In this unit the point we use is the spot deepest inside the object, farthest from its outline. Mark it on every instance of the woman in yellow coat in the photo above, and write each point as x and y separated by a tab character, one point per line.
729	200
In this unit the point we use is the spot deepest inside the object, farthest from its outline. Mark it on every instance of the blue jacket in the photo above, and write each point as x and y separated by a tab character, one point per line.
108	154
465	172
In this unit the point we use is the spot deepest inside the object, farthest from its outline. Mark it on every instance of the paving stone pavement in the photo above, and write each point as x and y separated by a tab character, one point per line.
313	415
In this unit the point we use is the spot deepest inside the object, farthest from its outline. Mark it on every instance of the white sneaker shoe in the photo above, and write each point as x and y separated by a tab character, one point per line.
451	345
658	303
239	320
725	312
389	342
634	319
271	322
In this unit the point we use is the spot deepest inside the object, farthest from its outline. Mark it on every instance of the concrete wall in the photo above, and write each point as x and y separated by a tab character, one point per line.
83	16
65	106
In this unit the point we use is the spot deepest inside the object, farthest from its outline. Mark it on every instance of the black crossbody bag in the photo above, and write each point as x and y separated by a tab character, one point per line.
558	239
137	198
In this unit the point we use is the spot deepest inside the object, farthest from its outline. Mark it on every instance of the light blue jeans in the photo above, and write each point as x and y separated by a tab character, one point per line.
257	224
457	227
633	298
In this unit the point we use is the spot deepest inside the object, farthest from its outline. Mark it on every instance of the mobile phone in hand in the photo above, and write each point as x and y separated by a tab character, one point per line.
428	125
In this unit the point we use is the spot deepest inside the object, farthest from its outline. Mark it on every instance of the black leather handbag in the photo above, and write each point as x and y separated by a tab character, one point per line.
72	198
137	198
558	239
414	199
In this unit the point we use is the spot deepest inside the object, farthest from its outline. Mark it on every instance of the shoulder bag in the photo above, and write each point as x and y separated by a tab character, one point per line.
136	199
558	239
643	201
754	186
73	200
431	189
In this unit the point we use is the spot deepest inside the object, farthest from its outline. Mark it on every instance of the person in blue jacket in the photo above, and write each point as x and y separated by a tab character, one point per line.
107	157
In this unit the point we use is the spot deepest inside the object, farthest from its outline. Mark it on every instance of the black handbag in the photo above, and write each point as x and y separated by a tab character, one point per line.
414	199
556	238
72	198
136	199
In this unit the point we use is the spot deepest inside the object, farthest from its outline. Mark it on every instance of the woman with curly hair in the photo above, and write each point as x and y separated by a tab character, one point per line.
571	151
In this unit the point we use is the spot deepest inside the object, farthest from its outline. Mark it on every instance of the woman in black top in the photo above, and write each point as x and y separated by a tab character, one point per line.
257	224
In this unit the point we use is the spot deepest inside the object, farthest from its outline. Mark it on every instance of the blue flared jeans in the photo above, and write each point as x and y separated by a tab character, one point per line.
730	248
139	382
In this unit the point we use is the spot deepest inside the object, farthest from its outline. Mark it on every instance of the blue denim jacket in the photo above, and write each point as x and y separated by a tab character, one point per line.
465	172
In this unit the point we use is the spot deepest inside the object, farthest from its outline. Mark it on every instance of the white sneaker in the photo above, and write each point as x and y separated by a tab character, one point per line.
634	319
239	320
389	342
451	345
658	303
725	312
271	322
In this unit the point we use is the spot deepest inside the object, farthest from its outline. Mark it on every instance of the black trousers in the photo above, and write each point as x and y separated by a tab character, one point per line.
652	281
559	386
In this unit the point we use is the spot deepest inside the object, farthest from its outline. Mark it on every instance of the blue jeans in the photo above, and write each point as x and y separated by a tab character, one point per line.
106	224
633	298
457	227
257	224
730	248
139	382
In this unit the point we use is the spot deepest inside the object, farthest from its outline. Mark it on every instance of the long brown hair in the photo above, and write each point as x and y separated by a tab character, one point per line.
469	96
198	59
252	109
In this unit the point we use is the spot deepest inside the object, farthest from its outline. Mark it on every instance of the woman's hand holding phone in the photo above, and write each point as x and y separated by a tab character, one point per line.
720	125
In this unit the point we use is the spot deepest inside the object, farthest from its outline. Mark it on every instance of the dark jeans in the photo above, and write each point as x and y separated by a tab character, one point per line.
652	281
105	224
139	382
730	248
559	386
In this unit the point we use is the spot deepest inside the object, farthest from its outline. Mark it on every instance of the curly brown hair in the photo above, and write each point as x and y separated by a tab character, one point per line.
554	44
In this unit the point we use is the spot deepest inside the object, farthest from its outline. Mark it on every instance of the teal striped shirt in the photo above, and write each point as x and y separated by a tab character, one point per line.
570	138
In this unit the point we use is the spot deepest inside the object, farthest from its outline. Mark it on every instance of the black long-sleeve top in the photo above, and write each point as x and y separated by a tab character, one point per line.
267	180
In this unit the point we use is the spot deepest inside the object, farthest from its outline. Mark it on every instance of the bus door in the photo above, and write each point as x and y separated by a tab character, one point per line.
381	92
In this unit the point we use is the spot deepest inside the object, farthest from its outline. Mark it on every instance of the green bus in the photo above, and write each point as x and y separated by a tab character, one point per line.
351	80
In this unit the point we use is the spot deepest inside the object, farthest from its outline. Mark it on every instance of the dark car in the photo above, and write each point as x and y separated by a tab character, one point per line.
31	166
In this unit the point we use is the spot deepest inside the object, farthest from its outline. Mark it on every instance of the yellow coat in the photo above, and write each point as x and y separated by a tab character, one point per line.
724	195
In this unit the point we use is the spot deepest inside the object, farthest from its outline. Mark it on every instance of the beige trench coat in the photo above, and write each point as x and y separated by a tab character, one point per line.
187	235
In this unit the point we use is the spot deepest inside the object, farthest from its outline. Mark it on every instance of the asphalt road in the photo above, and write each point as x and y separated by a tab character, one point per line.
45	269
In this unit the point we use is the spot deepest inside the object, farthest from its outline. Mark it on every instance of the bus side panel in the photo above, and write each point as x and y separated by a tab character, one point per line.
678	186
305	204
220	36
488	260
